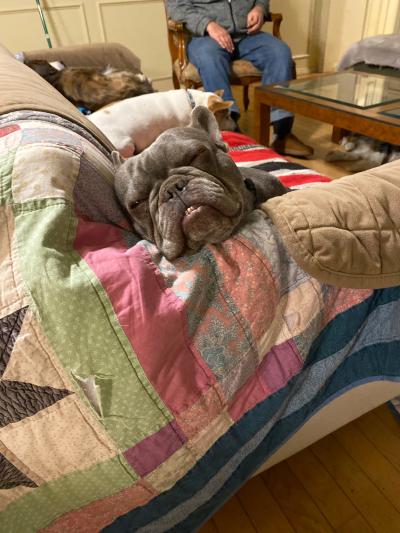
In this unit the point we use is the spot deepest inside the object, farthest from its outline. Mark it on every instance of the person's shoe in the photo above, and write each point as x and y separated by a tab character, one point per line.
291	145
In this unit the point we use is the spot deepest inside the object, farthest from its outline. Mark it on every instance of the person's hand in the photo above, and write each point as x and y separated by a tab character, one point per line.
219	34
255	19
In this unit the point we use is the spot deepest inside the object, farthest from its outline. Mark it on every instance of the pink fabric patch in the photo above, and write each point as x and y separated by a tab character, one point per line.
8	129
276	369
154	450
96	515
340	300
149	313
248	279
202	413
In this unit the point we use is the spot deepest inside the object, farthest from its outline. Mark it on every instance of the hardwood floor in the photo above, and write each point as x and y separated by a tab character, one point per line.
349	481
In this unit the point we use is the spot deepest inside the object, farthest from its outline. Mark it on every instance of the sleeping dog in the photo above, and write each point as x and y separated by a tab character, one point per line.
133	124
92	87
184	190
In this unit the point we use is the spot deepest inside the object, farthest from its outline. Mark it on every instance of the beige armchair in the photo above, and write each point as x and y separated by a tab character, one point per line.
185	73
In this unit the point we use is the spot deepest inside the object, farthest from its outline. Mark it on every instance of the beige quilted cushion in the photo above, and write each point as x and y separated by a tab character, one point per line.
347	232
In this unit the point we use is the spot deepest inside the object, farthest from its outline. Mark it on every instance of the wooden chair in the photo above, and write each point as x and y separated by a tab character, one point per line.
184	73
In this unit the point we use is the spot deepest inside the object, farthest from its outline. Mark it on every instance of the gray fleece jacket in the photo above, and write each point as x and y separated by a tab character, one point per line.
230	14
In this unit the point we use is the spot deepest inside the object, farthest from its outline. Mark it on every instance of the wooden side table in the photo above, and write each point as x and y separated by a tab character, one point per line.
380	120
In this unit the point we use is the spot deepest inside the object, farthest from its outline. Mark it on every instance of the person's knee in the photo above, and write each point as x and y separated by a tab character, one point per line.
283	52
273	48
278	49
205	51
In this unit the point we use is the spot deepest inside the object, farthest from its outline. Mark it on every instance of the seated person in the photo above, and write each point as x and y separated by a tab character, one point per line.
224	31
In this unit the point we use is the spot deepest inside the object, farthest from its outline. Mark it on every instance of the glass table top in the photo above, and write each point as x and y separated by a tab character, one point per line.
350	88
395	112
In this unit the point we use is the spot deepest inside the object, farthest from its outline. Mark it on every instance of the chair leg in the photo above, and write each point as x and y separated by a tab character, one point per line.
246	97
175	81
294	70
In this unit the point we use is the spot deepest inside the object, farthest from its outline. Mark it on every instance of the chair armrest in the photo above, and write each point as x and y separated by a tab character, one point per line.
177	38
276	19
176	26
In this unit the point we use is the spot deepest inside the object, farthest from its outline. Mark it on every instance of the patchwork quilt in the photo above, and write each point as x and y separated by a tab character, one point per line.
138	394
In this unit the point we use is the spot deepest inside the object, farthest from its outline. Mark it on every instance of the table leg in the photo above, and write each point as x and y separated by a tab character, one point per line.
338	134
263	123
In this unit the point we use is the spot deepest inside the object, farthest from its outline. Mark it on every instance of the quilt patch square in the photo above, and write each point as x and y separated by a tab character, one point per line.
45	171
153	450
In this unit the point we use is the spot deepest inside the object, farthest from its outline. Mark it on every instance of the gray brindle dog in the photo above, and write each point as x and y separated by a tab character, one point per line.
184	190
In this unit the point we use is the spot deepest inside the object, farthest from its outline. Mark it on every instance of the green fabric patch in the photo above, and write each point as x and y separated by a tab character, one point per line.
6	166
80	322
41	506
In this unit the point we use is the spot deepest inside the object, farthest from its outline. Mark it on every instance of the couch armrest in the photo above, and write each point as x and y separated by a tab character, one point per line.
90	55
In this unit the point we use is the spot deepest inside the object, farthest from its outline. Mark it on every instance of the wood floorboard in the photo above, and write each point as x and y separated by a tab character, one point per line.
379	470
323	489
209	527
369	500
233	518
299	508
381	436
388	419
355	525
262	508
348	482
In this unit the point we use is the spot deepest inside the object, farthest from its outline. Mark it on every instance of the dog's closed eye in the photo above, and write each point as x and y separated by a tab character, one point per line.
137	203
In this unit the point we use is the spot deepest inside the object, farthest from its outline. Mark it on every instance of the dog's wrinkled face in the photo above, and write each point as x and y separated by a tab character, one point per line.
184	191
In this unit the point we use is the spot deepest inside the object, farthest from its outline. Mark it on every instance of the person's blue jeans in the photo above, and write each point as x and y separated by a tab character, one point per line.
268	53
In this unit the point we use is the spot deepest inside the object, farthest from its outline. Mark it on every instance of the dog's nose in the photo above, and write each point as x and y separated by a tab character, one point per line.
180	185
172	190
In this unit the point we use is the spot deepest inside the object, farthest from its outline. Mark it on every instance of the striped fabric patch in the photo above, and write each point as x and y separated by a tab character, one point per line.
247	153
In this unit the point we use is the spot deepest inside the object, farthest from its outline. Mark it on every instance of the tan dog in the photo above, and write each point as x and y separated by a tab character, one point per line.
133	124
92	87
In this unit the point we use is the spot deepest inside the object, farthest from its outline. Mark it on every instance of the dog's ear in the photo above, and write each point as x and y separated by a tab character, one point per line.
261	185
219	92
203	119
216	104
117	159
59	65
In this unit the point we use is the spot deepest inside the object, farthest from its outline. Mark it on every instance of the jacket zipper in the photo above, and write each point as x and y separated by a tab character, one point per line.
233	20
